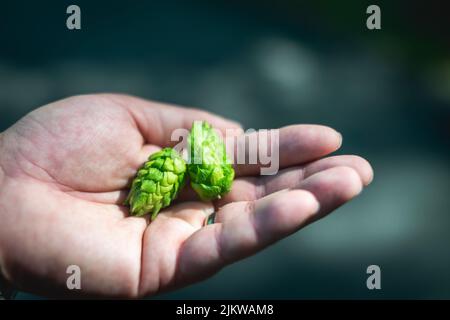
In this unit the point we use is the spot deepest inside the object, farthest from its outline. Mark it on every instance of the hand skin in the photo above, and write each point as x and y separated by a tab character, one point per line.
64	173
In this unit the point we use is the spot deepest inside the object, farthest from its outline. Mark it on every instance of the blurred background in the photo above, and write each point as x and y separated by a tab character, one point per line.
269	64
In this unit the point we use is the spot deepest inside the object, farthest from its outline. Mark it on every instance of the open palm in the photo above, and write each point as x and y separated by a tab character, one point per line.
64	173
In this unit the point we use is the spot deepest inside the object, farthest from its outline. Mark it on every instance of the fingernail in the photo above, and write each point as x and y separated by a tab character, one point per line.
341	139
370	180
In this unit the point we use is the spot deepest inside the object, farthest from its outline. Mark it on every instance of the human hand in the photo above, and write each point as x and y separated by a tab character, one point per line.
64	173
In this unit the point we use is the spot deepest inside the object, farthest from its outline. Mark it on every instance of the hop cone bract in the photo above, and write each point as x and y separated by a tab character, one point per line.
157	183
209	170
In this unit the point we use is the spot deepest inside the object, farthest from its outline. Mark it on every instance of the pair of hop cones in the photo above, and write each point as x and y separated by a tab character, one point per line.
161	178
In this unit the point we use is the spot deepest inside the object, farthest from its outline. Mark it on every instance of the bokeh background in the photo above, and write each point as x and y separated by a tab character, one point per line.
269	64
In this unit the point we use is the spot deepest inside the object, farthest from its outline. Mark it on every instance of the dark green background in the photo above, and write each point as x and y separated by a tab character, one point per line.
268	64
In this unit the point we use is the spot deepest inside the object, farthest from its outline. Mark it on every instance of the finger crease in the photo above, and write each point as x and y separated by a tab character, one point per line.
260	188
251	209
301	175
219	248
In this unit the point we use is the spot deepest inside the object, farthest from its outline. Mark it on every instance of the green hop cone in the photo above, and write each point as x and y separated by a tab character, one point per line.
157	183
210	172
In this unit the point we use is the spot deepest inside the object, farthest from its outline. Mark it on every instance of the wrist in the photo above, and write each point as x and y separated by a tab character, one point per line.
6	289
1	152
2	171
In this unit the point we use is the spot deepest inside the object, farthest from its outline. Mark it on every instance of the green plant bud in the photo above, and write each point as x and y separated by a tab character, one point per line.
209	169
157	183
